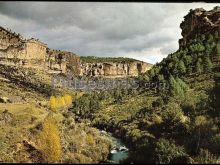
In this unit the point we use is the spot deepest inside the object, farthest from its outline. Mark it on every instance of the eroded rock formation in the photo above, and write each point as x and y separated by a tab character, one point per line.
63	60
114	69
199	21
16	51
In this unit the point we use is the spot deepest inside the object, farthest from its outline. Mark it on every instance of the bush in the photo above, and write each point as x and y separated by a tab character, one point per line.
205	157
168	152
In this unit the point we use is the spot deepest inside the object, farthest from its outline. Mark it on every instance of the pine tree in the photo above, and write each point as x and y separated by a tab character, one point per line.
199	67
160	77
218	51
181	67
207	64
187	60
182	84
210	38
177	87
216	35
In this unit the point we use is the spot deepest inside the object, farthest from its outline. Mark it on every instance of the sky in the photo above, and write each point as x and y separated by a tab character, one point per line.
143	31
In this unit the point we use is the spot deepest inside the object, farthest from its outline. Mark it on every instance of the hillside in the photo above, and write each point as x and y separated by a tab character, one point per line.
25	107
172	116
178	124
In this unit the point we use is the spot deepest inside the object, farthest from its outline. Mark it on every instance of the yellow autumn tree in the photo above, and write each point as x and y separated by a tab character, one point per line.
68	100
52	103
49	141
61	102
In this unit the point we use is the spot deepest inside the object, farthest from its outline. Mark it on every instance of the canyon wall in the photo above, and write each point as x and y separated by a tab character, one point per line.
16	51
66	62
197	22
114	69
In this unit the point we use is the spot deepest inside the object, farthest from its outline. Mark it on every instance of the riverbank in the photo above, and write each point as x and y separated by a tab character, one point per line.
119	152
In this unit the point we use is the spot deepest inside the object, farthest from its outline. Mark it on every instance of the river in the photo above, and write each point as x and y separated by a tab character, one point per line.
119	151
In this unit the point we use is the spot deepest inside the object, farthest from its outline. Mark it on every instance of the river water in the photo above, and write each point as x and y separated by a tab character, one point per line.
119	151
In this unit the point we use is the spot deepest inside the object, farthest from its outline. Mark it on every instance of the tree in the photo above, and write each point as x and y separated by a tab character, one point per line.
207	64
181	67
172	83
167	152
182	84
216	35
49	141
218	51
52	103
202	37
210	38
60	102
176	89
209	48
199	67
160	77
205	157
152	73
68	100
197	47
187	60
117	95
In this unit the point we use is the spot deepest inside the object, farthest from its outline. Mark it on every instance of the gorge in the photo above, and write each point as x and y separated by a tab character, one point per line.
41	123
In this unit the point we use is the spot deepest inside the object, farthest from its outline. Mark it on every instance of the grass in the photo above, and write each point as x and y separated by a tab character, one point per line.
24	116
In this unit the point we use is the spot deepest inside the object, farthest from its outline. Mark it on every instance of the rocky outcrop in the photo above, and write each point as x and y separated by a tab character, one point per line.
66	62
197	22
32	53
5	117
114	69
16	51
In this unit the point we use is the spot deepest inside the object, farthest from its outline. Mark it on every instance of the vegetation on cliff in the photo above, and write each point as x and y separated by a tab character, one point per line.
179	124
154	123
94	59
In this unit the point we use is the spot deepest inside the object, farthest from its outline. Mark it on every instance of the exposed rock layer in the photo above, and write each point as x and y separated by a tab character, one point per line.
197	22
114	69
16	51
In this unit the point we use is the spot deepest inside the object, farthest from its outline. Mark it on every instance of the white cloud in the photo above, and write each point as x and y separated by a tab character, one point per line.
144	31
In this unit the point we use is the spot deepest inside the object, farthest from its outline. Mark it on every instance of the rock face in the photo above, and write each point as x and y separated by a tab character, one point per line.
14	50
62	61
199	21
114	69
32	53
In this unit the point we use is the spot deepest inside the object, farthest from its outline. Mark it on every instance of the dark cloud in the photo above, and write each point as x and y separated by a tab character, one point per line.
146	31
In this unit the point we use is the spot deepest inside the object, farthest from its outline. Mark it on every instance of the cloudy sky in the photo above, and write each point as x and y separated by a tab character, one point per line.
144	31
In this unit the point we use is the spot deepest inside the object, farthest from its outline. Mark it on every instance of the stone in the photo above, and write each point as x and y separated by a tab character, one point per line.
5	117
197	22
4	100
32	53
114	69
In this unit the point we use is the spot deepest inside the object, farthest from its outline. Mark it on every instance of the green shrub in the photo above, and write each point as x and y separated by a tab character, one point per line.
168	152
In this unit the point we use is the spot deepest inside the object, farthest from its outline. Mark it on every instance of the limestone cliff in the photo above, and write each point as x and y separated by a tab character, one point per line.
114	69
14	50
32	53
64	61
198	22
